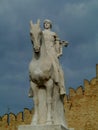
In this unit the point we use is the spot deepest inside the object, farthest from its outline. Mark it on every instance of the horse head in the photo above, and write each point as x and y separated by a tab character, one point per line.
35	34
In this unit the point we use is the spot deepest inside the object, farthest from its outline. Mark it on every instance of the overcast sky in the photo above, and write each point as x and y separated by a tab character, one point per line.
73	20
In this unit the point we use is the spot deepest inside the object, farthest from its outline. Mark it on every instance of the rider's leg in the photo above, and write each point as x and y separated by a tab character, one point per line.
61	83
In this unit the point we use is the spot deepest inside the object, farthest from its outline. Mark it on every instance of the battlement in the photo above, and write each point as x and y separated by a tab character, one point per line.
81	105
11	121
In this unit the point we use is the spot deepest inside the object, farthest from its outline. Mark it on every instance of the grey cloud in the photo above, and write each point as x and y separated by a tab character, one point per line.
80	20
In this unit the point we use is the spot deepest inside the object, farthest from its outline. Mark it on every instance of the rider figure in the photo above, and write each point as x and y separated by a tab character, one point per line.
54	49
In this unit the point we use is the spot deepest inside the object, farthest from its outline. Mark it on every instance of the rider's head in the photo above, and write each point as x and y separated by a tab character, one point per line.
47	24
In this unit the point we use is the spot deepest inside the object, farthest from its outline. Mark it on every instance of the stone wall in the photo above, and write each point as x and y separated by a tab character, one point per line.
81	109
82	106
11	121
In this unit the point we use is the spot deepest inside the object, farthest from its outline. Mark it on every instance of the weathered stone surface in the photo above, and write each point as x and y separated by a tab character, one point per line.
42	127
82	108
46	75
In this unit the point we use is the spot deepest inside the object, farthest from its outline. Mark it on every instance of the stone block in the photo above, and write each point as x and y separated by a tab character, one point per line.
43	127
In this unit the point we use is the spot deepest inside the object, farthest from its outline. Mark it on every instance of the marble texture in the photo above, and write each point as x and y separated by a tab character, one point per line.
46	79
46	75
42	127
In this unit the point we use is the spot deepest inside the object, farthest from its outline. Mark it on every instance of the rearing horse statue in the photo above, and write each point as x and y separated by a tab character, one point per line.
42	88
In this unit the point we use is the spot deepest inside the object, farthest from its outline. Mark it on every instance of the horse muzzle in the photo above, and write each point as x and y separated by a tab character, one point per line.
36	49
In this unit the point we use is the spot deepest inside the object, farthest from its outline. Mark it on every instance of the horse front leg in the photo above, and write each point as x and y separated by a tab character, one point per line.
34	89
49	90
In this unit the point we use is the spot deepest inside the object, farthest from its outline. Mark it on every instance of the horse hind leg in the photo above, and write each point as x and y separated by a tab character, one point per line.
49	90
34	89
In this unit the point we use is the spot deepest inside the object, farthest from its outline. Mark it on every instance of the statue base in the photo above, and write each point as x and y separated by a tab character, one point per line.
43	127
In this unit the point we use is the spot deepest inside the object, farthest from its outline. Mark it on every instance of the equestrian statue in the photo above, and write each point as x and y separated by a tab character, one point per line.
46	75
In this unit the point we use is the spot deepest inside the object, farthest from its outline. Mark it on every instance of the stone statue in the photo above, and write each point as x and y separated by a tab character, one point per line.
46	75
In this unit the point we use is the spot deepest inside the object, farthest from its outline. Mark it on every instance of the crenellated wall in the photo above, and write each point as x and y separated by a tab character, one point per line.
81	106
12	121
81	109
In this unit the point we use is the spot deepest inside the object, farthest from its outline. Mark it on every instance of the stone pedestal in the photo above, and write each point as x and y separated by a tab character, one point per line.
42	127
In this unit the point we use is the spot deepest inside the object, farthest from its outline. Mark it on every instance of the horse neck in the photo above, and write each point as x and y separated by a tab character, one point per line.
43	52
43	47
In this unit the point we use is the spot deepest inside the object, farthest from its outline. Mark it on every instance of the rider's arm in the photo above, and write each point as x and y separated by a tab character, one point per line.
58	46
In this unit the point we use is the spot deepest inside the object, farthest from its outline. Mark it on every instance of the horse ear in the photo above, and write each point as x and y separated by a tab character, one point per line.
31	23
38	22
